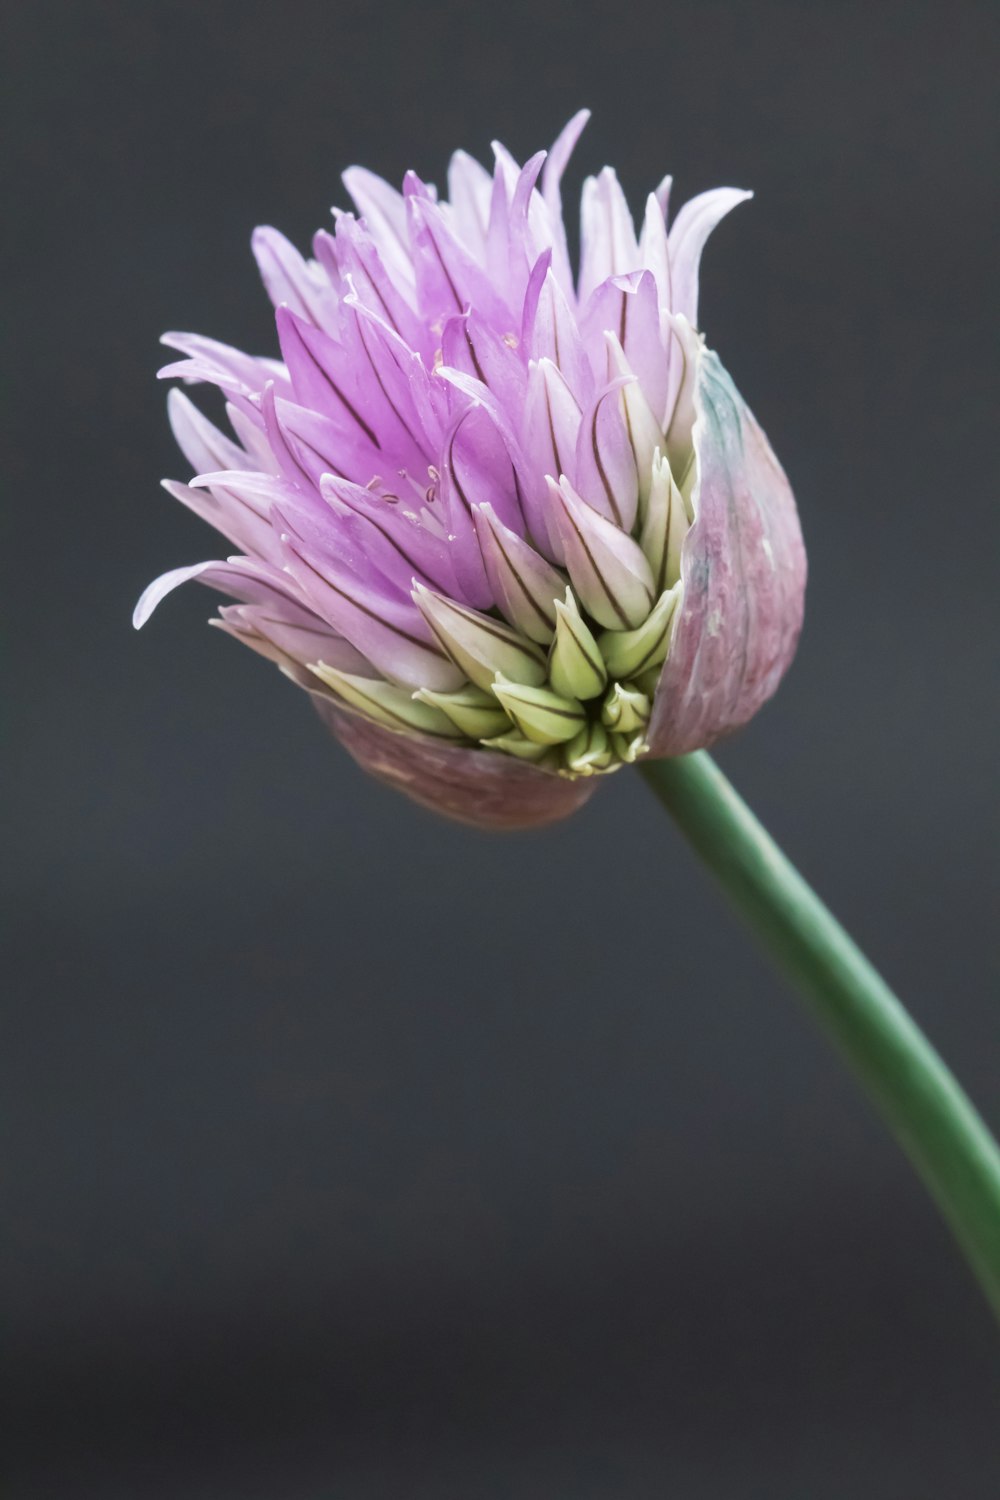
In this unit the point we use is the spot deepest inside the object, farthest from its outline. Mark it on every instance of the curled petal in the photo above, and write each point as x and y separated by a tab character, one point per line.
687	237
743	570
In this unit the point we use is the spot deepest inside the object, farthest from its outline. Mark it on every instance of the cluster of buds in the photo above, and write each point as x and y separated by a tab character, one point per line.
511	527
565	677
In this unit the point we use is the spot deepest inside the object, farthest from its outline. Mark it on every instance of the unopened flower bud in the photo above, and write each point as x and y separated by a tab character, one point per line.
473	711
625	709
389	705
524	584
591	751
629	747
479	645
576	667
644	432
544	716
521	748
627	653
664	524
607	568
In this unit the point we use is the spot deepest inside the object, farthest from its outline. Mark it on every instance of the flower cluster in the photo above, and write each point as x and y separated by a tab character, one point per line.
502	521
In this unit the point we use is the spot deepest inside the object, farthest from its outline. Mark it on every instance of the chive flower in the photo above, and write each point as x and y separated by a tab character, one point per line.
510	524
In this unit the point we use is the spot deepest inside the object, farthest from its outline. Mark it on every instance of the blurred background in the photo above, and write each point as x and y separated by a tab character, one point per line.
350	1153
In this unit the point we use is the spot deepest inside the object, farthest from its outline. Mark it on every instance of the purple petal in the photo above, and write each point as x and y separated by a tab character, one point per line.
469	189
550	330
221	365
241	577
449	280
324	377
476	469
202	444
393	537
294	634
606	475
389	631
527	226
249	427
470	345
358	261
384	211
400	384
289	278
552	423
608	245
628	307
240	517
552	173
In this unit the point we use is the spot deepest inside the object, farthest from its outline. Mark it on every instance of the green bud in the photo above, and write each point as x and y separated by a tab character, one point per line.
576	667
473	711
544	716
648	681
387	704
589	752
625	709
478	644
516	744
629	652
664	525
629	747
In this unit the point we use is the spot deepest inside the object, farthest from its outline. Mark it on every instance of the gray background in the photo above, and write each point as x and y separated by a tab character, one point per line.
351	1154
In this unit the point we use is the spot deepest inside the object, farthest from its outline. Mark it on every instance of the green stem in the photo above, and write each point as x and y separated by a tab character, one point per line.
945	1138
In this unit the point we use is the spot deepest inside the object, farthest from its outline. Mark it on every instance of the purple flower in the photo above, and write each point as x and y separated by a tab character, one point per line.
511	528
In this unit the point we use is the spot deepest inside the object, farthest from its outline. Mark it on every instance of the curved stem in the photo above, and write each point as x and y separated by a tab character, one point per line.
944	1137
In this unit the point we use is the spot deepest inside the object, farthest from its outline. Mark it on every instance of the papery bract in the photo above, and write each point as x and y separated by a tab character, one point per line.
511	530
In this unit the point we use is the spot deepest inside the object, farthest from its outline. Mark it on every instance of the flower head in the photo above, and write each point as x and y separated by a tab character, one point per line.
511	527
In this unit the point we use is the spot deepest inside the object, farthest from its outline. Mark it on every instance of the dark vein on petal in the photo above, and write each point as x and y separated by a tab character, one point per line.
421	447
600	467
528	596
371	613
324	373
597	572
